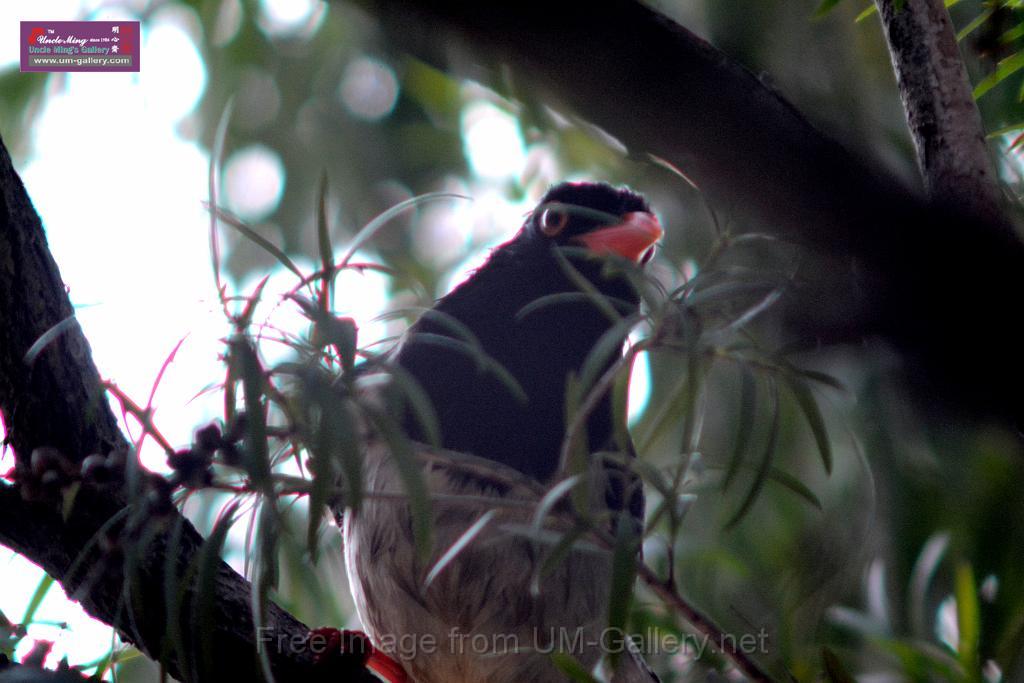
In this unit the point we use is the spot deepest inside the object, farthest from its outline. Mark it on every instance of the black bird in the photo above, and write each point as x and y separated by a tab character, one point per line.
494	357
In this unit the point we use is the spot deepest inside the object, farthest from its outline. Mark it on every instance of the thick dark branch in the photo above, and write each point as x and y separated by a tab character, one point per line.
937	283
58	402
943	117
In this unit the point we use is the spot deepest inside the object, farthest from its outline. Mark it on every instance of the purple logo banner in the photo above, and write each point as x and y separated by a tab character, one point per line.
80	45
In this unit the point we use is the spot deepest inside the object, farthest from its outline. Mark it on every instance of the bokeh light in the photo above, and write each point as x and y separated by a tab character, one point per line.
291	18
254	180
173	77
368	89
493	142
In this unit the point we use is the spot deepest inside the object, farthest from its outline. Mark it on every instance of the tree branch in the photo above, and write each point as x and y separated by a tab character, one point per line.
943	117
57	401
886	259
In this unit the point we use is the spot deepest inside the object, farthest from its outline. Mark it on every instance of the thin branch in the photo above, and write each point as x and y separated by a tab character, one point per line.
717	638
883	257
58	402
943	117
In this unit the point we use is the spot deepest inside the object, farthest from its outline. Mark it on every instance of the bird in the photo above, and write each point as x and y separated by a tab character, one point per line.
494	358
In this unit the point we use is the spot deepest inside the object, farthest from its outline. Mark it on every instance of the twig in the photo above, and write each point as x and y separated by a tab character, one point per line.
717	638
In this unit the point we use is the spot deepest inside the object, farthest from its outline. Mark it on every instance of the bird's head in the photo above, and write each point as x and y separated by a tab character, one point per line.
604	219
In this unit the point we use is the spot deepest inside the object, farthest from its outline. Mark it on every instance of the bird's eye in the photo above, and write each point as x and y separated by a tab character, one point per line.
552	221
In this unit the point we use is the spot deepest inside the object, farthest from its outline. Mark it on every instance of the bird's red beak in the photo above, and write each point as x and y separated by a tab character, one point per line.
630	239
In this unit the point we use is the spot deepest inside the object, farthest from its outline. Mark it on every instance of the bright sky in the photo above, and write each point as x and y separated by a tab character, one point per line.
131	238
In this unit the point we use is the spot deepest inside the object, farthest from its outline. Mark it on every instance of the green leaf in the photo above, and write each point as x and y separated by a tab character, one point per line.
583	284
571	667
867	12
974	24
268	537
1004	70
766	462
559	551
624	555
810	409
173	645
575	455
258	239
411	474
559	298
242	357
745	423
419	401
550	499
968	616
206	593
835	672
483	361
691	418
620	407
323	476
604	352
872	8
323	232
725	292
216	153
927	563
67	503
42	588
825	7
458	546
681	404
1004	130
821	378
382	219
349	451
265	576
46	338
795	486
86	552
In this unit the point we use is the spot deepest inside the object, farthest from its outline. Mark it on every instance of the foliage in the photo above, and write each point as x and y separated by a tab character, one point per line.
793	488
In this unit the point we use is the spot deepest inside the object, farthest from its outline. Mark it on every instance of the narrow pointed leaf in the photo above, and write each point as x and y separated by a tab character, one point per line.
968	619
42	588
371	228
46	338
566	544
411	474
794	485
623	575
809	407
835	672
259	240
824	7
206	594
419	401
744	425
1004	70
767	457
458	546
571	667
323	233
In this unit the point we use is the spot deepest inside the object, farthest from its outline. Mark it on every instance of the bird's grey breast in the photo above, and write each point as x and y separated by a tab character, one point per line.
478	619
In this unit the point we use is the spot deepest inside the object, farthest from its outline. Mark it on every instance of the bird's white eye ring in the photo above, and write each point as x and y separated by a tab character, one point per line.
553	221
